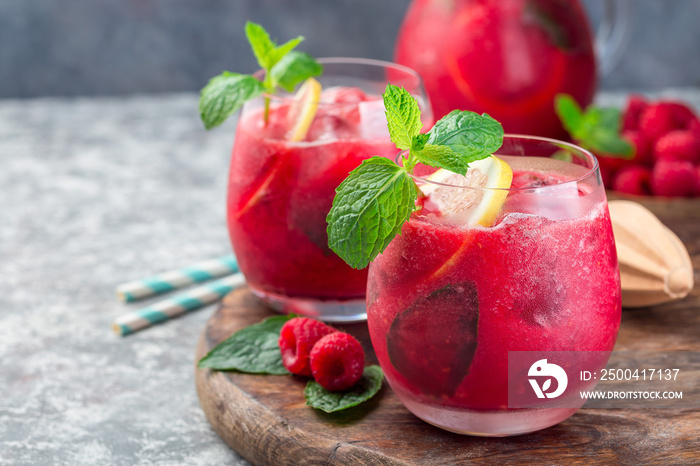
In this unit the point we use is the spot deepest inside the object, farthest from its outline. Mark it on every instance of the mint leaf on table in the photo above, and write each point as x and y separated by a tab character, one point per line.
369	208
596	129
283	67
377	198
224	94
470	136
254	349
368	386
294	68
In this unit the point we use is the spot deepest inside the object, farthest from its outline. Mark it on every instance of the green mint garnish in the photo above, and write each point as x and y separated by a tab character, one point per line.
254	349
224	94
369	208
377	198
595	129
284	67
402	116
368	386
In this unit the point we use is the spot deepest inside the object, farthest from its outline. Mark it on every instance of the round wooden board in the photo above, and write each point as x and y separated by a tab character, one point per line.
265	419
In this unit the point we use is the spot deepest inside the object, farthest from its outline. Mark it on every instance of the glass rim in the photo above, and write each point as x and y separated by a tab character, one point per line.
368	62
586	153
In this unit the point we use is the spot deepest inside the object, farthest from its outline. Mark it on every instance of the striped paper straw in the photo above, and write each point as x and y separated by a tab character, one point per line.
180	304
168	281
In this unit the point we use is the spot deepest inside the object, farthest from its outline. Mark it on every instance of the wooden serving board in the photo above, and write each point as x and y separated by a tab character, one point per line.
265	419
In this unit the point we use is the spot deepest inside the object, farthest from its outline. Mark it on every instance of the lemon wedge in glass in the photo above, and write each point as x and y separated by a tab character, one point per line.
470	206
303	110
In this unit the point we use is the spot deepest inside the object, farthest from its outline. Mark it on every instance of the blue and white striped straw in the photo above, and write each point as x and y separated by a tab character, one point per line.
178	305
174	279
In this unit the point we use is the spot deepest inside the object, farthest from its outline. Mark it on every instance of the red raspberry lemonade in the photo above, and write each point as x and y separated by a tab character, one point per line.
280	191
446	302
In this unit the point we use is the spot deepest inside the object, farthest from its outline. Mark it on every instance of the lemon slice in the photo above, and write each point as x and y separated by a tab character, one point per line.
303	110
472	206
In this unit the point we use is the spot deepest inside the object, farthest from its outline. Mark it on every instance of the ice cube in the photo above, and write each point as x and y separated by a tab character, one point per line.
373	120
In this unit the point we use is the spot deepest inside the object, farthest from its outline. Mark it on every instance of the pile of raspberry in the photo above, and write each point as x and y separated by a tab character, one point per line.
666	138
335	359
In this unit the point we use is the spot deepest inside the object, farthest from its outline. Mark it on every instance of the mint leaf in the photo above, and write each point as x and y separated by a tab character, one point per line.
254	349
469	134
608	143
368	386
369	208
443	157
294	68
596	129
266	51
224	94
418	142
260	42
402	116
569	113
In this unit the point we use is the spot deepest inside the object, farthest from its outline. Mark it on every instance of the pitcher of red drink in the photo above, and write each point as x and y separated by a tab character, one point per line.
509	58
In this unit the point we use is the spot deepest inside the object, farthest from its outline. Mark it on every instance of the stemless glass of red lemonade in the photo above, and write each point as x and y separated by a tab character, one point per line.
281	190
448	299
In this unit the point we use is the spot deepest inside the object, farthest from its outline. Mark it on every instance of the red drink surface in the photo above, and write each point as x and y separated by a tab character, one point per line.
446	304
508	58
280	193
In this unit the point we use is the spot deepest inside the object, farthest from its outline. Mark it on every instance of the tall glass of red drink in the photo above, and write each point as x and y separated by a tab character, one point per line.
280	191
447	302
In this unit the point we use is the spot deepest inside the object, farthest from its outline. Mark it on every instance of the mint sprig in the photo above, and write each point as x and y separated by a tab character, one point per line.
369	208
330	402
254	349
596	129
283	66
377	198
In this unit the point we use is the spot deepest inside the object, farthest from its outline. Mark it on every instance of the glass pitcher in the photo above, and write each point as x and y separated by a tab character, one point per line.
509	58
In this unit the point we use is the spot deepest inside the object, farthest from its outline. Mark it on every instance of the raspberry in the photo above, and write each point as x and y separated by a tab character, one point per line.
656	120
633	179
610	164
297	338
337	361
635	106
678	144
642	154
673	178
682	114
694	126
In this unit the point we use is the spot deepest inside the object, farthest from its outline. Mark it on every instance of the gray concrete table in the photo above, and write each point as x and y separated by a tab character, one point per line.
95	192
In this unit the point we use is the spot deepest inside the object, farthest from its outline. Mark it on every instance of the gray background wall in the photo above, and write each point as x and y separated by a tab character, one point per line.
92	47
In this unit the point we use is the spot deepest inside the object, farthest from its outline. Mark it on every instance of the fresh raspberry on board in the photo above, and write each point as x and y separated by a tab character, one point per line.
635	106
337	361
673	178
633	179
656	120
297	339
678	144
